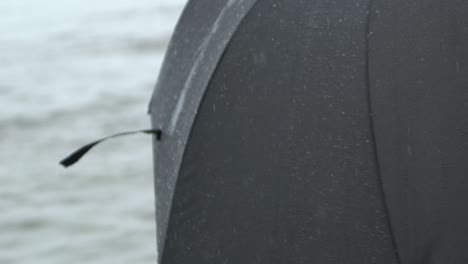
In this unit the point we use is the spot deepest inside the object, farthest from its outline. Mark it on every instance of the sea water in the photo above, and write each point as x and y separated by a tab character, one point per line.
73	71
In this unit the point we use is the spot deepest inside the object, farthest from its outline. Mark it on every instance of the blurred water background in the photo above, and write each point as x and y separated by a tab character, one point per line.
73	71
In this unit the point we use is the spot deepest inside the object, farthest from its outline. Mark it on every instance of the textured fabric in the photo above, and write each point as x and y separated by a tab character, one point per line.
419	78
327	132
280	166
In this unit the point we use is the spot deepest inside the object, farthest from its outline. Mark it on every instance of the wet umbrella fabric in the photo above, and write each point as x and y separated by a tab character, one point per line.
313	132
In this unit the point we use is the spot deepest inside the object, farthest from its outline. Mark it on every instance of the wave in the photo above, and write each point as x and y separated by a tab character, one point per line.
104	105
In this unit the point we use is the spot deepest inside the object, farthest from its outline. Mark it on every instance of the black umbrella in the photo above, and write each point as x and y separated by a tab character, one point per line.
313	132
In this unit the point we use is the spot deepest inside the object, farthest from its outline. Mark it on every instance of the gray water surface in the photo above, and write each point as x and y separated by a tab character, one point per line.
73	71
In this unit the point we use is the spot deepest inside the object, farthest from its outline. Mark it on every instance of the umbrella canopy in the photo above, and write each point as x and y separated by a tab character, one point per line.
313	132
